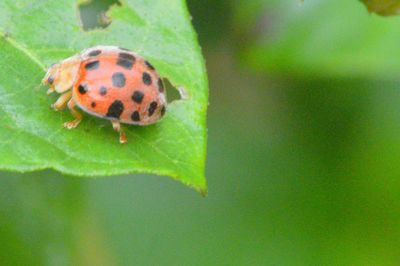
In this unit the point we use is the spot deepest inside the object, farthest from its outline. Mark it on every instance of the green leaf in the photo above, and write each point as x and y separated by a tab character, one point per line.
38	33
327	38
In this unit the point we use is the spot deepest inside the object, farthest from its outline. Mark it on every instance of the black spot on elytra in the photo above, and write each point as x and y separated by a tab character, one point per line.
103	90
160	85
82	89
92	65
152	108
137	96
93	104
149	65
126	60
94	53
115	109
118	80
135	116
146	78
162	111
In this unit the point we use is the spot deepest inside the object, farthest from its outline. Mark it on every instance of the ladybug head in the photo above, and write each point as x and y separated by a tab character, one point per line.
52	74
61	76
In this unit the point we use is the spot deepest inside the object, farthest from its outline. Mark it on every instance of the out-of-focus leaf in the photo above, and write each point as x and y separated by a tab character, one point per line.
328	38
39	214
383	7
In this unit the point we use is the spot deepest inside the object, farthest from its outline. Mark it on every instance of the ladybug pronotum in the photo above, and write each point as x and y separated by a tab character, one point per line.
108	82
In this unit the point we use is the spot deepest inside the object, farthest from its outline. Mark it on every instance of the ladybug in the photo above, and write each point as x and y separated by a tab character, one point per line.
111	83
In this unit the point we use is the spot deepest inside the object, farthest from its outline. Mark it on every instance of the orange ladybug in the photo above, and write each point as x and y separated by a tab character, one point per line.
108	82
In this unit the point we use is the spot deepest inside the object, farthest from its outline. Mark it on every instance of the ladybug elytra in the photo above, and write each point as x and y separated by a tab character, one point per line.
108	82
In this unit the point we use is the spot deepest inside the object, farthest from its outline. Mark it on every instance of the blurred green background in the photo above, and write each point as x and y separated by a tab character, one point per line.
303	155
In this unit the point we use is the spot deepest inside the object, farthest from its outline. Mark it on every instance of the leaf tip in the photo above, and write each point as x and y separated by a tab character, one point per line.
204	192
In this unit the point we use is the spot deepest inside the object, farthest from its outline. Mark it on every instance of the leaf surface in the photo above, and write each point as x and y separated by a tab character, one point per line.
36	34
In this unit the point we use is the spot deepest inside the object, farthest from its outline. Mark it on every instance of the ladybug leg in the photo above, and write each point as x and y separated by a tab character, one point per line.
117	127
78	117
61	102
50	91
